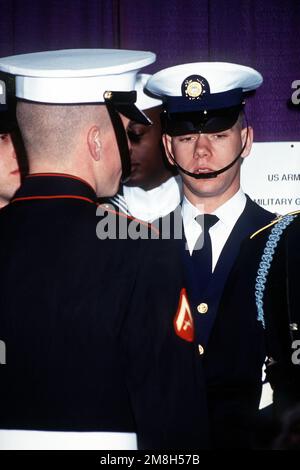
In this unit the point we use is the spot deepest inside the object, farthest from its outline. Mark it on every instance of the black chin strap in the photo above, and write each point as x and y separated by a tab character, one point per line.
121	137
212	174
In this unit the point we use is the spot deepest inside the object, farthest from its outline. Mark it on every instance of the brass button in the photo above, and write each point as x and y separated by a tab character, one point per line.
107	95
202	308
200	349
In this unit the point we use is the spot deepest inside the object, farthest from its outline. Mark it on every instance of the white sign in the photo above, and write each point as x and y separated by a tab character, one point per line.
271	176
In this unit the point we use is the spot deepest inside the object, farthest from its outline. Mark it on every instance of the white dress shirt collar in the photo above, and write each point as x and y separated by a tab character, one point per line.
231	210
228	214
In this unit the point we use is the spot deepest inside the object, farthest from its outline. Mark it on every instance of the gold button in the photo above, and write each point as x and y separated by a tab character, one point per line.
200	349
108	95
202	308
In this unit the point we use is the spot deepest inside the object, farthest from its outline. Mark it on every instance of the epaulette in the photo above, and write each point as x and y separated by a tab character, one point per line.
112	209
275	221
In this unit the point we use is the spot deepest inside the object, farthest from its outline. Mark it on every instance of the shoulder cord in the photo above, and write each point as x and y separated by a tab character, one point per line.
266	261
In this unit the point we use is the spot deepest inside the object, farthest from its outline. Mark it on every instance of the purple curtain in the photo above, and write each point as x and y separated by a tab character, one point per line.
263	34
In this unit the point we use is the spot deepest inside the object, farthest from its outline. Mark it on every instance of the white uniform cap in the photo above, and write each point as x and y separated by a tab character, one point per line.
144	101
202	96
74	75
221	77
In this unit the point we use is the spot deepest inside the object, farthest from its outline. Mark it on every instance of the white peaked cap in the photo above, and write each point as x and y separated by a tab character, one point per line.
74	75
221	77
144	101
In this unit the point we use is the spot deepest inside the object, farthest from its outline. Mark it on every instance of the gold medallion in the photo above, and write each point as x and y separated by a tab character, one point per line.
194	89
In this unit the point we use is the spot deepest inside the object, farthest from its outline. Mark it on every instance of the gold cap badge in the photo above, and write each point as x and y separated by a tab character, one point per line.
194	89
194	86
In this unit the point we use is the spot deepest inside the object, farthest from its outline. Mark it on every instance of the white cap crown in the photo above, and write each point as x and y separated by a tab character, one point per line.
144	101
74	75
221	77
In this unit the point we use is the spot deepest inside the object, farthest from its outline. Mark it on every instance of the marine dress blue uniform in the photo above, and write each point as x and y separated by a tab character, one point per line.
88	324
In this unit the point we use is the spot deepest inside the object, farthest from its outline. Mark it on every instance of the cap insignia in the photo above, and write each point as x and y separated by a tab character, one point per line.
194	86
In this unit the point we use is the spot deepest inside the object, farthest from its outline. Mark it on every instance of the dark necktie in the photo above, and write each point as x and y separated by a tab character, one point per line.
203	248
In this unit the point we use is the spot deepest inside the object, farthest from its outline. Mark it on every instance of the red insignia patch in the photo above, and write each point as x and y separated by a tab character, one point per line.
183	321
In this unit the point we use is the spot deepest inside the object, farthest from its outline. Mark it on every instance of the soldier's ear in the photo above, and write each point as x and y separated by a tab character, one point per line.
249	136
167	141
94	142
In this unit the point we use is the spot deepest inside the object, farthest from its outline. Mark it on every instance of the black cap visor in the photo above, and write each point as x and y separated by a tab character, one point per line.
134	114
123	102
8	121
207	122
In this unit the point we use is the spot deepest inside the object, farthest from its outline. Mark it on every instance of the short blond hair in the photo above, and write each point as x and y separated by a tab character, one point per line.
53	130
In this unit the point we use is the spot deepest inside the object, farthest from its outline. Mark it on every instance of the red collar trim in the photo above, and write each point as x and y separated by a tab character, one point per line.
30	198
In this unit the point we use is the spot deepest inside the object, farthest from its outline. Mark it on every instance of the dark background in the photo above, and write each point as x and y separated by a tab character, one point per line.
264	34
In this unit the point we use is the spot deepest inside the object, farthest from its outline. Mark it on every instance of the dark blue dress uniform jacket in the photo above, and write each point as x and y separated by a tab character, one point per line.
209	290
246	343
88	325
224	397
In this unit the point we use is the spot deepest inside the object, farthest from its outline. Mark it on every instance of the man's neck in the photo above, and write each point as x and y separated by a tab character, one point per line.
210	204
